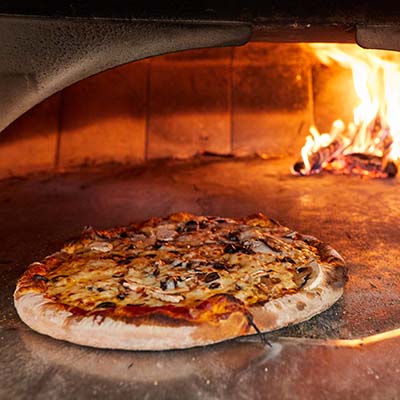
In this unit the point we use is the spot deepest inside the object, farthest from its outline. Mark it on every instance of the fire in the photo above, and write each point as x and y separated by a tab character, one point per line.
370	144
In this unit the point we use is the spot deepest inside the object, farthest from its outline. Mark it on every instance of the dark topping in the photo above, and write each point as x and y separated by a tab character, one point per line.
156	271
214	285
303	269
131	247
106	304
190	264
302	275
99	289
124	261
176	264
287	259
237	287
123	235
237	248
157	245
38	278
190	226
231	249
120	296
119	275
212	276
232	236
219	266
221	221
203	224
168	284
58	277
163	285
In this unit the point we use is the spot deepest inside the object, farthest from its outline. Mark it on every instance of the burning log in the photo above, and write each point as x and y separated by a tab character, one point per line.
363	164
318	159
353	164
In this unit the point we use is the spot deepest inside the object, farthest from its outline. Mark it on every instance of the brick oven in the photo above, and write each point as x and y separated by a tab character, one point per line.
99	132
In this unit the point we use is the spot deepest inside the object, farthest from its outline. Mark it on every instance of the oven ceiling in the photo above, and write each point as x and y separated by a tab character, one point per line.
351	11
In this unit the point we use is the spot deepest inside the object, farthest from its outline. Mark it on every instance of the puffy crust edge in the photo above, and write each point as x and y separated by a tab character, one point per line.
44	316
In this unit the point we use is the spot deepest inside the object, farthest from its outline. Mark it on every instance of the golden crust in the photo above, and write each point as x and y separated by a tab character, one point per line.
159	331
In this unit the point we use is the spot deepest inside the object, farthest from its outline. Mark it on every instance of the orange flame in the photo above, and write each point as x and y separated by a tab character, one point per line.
375	129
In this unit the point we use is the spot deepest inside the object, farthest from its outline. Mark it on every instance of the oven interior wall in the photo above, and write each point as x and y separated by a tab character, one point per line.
258	98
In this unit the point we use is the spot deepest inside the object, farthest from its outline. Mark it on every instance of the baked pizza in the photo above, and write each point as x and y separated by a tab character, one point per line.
179	282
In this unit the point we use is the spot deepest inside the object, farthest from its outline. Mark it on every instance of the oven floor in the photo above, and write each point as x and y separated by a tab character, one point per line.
357	216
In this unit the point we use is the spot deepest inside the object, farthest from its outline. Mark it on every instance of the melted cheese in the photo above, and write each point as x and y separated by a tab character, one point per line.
179	263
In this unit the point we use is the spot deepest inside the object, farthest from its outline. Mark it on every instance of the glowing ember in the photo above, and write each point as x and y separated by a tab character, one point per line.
370	145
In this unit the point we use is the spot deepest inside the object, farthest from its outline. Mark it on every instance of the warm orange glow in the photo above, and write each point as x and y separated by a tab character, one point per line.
375	129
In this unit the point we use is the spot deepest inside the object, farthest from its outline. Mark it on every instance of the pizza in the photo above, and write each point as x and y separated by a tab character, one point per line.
179	282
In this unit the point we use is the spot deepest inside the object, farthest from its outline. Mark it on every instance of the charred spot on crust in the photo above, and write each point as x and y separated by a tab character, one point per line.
300	305
310	240
38	278
328	255
337	276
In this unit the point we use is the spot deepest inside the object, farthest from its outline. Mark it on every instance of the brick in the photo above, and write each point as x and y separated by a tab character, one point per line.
29	144
104	117
189	108
271	54
271	99
334	95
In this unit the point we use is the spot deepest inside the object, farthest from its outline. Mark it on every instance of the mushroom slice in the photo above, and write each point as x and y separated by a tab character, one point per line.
173	298
166	232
